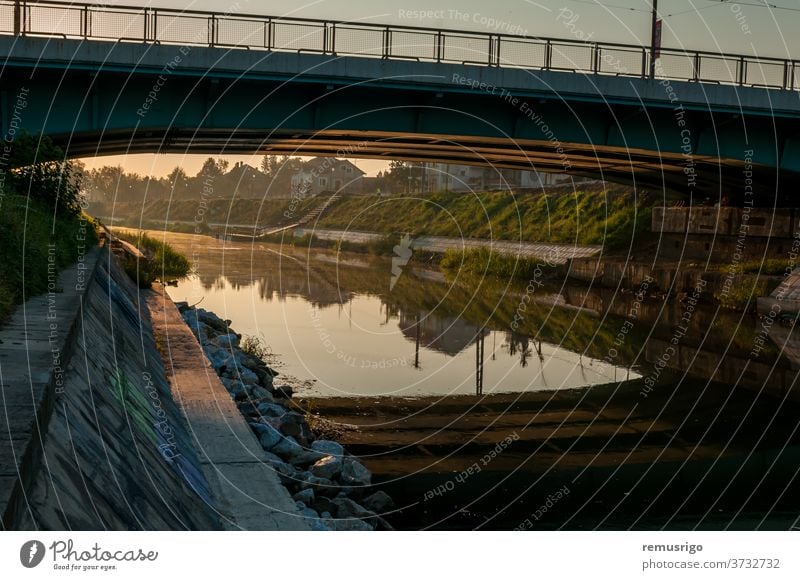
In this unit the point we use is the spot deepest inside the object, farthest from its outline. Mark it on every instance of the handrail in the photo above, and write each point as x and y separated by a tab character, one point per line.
434	45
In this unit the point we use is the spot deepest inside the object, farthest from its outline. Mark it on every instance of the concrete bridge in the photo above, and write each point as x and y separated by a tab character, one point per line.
103	80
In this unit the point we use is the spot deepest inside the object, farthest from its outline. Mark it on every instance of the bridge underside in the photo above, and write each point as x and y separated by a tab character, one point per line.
640	168
708	141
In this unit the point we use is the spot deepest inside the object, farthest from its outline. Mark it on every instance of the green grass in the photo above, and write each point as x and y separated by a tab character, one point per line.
611	218
36	246
743	293
482	262
766	267
167	262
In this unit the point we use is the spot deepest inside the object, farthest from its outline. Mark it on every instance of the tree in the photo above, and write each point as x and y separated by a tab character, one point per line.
177	183
40	170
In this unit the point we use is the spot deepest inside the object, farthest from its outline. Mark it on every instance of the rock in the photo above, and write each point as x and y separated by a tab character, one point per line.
229	384
328	467
323	504
261	393
317	525
382	525
212	320
291	424
220	359
287	447
348	525
347	508
378	502
268	409
228	341
305	457
272	458
306	496
322	487
268	436
239	393
182	306
284	392
328	447
354	473
246	375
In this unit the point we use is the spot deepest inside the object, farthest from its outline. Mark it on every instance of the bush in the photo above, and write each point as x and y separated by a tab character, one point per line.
166	261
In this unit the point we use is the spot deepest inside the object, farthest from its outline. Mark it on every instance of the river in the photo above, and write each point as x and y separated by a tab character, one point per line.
480	403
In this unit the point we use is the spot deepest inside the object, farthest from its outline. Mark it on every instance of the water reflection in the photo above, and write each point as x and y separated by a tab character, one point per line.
334	319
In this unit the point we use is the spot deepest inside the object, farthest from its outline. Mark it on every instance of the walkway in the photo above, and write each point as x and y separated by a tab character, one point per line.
249	492
35	347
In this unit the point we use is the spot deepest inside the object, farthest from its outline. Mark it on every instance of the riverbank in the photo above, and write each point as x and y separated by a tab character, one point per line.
331	487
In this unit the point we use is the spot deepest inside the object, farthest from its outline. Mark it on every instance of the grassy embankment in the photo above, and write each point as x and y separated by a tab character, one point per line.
614	219
164	261
42	227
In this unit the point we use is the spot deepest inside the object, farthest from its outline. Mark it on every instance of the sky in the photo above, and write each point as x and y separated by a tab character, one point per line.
757	27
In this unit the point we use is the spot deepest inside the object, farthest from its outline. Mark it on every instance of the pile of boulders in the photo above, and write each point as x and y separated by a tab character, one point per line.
330	486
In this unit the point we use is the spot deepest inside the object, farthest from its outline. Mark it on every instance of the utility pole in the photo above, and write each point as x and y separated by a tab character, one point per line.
655	40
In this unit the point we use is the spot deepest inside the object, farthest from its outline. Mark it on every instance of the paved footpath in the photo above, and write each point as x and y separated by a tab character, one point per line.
32	362
554	253
252	497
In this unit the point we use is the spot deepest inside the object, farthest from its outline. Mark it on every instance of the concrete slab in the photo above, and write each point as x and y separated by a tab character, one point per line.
246	490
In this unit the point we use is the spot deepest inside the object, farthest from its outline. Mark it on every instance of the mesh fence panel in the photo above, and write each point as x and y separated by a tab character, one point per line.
766	74
55	20
116	24
520	53
420	45
241	32
466	49
6	18
183	29
360	41
299	36
620	61
577	57
717	69
675	66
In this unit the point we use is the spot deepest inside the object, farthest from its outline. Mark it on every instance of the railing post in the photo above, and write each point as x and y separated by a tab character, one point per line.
491	50
333	38
146	18
793	73
697	62
596	59
85	23
17	16
645	68
548	55
742	71
497	52
439	46
213	31
387	42
155	25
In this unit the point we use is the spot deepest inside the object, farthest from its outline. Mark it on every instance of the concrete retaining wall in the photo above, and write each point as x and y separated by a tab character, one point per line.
117	453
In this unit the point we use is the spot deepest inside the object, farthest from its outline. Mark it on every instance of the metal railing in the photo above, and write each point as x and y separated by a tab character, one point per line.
253	32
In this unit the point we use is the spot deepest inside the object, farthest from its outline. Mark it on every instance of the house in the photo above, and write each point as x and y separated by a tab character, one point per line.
323	174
